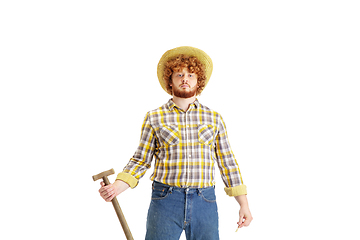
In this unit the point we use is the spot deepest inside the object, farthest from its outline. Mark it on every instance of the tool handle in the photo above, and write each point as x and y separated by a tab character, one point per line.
120	214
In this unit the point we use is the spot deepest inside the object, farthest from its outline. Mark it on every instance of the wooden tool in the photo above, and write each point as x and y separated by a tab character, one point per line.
115	203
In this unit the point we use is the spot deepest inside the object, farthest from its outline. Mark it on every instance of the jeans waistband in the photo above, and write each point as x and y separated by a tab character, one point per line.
159	184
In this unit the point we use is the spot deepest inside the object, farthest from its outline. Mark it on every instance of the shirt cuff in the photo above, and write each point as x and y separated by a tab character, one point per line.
236	191
128	178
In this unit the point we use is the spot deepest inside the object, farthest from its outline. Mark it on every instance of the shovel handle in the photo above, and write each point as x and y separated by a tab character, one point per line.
120	214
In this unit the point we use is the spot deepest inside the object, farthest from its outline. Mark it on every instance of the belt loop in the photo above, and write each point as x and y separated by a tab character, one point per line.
171	189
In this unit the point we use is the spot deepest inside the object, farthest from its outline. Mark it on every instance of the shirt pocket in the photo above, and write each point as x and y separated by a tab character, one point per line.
170	134
206	134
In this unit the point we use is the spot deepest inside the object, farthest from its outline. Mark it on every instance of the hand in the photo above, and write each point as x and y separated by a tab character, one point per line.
245	217
107	192
112	190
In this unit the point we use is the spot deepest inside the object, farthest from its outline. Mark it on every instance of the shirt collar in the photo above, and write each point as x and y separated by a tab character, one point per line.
171	104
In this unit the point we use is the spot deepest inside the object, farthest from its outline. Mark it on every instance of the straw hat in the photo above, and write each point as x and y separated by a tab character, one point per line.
189	51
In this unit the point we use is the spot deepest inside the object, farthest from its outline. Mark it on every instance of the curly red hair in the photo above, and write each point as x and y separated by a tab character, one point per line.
192	64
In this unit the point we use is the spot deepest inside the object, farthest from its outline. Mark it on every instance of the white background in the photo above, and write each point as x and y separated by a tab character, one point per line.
77	78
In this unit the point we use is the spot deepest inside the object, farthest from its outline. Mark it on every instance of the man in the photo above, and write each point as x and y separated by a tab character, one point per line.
186	139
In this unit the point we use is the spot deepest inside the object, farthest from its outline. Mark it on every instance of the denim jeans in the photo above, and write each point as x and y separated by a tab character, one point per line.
173	210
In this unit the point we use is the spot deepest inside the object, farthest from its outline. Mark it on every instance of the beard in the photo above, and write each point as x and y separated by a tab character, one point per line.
184	93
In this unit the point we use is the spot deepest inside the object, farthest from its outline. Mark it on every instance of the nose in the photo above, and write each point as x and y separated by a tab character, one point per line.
185	79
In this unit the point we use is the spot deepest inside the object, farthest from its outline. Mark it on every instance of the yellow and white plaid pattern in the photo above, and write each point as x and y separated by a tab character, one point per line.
185	145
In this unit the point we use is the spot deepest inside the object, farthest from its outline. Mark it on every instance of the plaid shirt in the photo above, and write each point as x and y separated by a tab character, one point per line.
186	146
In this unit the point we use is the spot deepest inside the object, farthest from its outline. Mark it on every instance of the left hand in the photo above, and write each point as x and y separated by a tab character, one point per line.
245	217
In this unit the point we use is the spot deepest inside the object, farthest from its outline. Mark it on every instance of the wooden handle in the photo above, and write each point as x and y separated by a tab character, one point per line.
101	175
120	214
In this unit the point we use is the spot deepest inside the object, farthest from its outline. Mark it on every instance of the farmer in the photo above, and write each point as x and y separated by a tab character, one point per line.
185	139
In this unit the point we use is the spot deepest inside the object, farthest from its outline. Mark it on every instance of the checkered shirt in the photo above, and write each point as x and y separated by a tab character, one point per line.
185	146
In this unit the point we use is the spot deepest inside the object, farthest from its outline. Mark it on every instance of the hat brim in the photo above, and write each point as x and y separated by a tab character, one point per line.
189	51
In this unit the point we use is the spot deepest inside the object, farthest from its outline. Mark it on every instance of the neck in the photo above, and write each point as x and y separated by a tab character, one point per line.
183	103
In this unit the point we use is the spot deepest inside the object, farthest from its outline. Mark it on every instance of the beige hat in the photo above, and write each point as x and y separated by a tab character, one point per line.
189	51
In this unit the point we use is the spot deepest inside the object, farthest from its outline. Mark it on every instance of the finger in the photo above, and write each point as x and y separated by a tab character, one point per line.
241	220
247	222
106	196
110	197
105	192
105	188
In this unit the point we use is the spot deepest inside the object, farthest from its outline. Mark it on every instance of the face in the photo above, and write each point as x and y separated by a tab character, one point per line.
184	83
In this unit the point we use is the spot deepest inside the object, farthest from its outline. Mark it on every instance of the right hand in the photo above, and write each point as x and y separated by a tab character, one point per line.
107	192
112	190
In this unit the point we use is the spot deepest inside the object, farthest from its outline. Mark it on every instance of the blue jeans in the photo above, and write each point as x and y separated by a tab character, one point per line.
173	210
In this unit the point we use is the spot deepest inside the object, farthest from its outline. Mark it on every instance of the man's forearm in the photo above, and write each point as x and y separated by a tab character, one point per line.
120	186
242	200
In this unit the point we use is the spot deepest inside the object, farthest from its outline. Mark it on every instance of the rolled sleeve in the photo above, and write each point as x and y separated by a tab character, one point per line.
236	191
128	178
